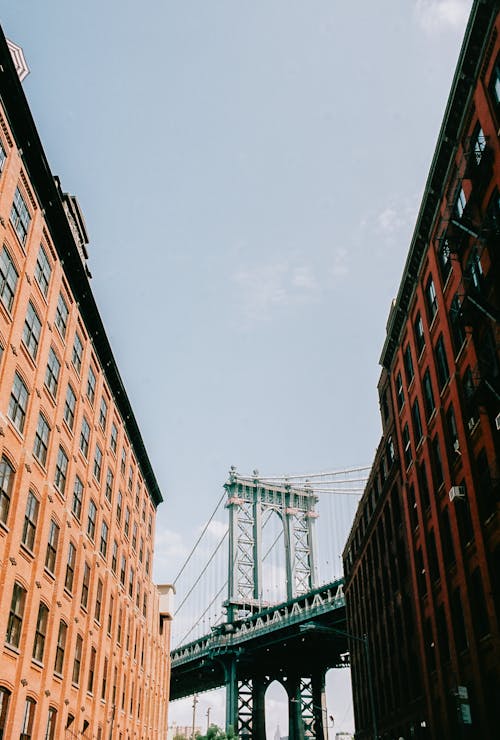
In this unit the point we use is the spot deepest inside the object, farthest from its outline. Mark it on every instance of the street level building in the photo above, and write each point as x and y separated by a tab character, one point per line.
422	562
84	633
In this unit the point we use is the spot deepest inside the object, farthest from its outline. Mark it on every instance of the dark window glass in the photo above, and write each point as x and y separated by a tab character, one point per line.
4	709
399	391
91	519
98	601
84	437
69	407
30	520
61	317
90	679
104	539
452	435
84	600
431	299
429	404
97	462
20	217
8	279
77	661
91	384
407	445
15	621
494	87
419	333
52	372
76	506
444	259
70	567
61	647
41	444
114	437
443	372
6	481
31	331
103	413
408	363
28	719
40	632
3	159
50	732
61	471
108	492
437	463
18	403
457	327
50	556
417	422
457	612
77	355
43	271
423	485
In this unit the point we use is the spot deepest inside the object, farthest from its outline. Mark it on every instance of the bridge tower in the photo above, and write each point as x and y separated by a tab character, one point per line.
248	499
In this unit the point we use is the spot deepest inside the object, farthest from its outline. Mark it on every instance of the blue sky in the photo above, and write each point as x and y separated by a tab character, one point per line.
250	174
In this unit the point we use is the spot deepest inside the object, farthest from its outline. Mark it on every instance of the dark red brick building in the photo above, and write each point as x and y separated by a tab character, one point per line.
422	562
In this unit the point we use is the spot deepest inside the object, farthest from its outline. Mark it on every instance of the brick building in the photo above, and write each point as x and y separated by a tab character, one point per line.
84	633
422	561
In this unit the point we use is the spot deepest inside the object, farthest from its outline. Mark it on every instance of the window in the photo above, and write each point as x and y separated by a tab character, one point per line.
474	272
478	604
43	271
90	680
3	158
429	404
52	373
407	445
103	414
452	434
30	520
130	478
20	217
61	646
441	363
419	333
8	279
91	383
444	259
437	463
62	314
77	662
61	471
84	600
18	403
6	481
84	437
460	202
431	299
50	732
110	614
114	556
97	463
28	719
70	568
103	548
408	363
119	627
399	391
76	505
417	422
478	144
150	525
148	556
123	463
76	357
457	328
114	437
4	708
134	536
108	491
131	582
119	507
69	407
50	555
458	622
104	679
126	527
494	86
123	568
40	632
41	444
144	604
15	622
31	331
91	519
141	541
423	485
98	601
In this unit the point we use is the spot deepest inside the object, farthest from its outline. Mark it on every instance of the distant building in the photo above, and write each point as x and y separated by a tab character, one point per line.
84	633
422	562
185	731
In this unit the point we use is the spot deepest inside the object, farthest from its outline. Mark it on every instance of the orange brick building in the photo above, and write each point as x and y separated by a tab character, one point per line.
84	633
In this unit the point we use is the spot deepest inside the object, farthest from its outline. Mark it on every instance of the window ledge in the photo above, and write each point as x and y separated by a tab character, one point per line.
26	552
59	676
27	355
4	528
37	663
49	573
12	648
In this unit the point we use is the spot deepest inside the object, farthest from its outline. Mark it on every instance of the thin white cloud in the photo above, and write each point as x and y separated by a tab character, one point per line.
438	15
340	267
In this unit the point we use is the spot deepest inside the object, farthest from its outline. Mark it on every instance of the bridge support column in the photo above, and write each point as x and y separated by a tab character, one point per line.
307	708
295	723
259	709
319	706
231	681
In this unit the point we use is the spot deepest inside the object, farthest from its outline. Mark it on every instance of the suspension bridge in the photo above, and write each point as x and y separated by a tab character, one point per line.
267	604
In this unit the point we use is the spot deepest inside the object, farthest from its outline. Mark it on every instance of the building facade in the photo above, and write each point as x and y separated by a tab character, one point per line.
84	633
422	562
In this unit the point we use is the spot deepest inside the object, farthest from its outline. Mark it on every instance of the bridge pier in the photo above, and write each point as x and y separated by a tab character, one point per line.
307	707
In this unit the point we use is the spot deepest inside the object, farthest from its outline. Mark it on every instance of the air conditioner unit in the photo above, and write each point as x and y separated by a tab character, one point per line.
457	492
497	422
472	423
